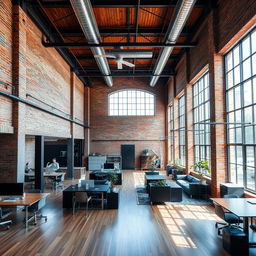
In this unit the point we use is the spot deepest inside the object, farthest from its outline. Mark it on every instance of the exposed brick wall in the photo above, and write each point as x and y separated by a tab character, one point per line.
30	152
181	77
232	16
198	56
104	127
48	79
5	64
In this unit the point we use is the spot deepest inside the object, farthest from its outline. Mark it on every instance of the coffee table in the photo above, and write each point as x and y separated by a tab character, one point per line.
151	179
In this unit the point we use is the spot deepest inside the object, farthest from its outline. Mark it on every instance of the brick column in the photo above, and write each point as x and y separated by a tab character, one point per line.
189	127
12	163
217	94
176	126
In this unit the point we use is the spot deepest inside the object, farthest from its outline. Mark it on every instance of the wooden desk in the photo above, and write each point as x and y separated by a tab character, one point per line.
240	207
47	175
27	200
50	174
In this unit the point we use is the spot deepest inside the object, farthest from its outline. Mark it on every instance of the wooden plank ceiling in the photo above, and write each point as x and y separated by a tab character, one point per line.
123	24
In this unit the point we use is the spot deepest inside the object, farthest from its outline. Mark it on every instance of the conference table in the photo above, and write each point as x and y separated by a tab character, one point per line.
242	207
47	175
27	200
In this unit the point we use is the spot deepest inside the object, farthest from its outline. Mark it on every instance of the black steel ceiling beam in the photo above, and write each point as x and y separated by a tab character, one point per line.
113	70
33	10
121	4
124	74
122	32
116	44
86	57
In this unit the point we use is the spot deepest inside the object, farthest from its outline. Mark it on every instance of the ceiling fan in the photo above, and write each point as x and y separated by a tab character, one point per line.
119	55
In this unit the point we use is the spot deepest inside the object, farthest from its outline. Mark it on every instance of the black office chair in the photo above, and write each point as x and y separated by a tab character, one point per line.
36	208
228	217
3	215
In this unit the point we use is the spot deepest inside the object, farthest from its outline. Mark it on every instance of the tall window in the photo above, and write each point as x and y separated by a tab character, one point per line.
182	132
240	71
201	115
171	134
131	103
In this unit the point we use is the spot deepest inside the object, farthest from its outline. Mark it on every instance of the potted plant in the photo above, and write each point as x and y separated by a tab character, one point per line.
112	178
201	168
146	152
160	183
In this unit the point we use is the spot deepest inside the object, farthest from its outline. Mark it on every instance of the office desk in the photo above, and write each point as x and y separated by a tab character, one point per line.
69	192
28	200
47	175
240	207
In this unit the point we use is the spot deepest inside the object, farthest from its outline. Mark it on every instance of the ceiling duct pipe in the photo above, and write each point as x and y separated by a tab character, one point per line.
181	14
86	18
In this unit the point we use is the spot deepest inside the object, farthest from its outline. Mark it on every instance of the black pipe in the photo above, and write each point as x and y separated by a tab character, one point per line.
40	108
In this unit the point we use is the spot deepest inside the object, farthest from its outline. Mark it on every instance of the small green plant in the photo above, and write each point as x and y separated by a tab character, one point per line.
112	177
160	183
146	151
201	167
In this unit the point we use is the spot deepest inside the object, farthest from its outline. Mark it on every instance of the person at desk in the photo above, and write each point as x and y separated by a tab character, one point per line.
52	167
27	169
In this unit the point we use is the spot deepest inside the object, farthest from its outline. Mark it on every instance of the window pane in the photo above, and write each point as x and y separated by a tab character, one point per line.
131	102
241	109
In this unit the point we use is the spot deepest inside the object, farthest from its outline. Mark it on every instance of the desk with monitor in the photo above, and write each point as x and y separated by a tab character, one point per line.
12	195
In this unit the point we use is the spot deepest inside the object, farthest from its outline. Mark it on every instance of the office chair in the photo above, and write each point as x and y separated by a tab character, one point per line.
36	208
228	217
3	215
81	197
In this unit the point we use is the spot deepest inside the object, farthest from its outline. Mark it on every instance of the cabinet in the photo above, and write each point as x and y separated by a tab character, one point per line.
230	188
116	160
96	162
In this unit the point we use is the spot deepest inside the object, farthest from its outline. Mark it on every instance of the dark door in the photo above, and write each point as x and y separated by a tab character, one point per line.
128	156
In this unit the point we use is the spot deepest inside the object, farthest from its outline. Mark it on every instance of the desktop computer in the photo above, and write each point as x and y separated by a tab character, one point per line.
87	183
11	191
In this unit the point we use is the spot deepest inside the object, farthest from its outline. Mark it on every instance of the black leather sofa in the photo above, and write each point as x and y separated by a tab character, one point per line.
191	185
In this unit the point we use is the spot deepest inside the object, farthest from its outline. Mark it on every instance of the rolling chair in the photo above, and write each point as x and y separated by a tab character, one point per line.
3	215
81	197
228	217
36	208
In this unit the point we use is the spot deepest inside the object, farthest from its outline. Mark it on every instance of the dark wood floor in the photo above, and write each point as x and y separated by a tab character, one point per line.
133	230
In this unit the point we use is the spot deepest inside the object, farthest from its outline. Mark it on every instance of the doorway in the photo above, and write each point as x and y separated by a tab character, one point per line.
128	156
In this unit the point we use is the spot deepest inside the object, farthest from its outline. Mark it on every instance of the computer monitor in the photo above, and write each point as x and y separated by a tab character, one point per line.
89	182
109	166
11	189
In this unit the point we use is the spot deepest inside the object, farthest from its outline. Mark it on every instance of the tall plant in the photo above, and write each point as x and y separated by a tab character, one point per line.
201	166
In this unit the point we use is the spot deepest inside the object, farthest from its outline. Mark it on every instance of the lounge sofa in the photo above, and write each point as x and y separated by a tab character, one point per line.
191	185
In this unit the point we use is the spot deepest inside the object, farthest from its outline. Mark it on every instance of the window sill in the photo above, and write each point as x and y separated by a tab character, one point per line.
249	194
195	174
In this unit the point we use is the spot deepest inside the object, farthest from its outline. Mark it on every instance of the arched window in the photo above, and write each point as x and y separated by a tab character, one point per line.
131	103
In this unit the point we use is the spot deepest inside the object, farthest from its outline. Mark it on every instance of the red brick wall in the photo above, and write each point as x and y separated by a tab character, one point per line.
5	64
232	16
119	129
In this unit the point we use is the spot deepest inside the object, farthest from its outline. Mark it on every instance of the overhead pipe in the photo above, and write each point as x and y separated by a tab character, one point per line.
181	14
86	18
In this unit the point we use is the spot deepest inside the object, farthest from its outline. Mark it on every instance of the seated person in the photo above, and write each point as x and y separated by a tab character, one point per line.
52	167
27	169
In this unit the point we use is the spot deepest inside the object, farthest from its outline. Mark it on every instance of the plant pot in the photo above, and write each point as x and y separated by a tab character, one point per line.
203	182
